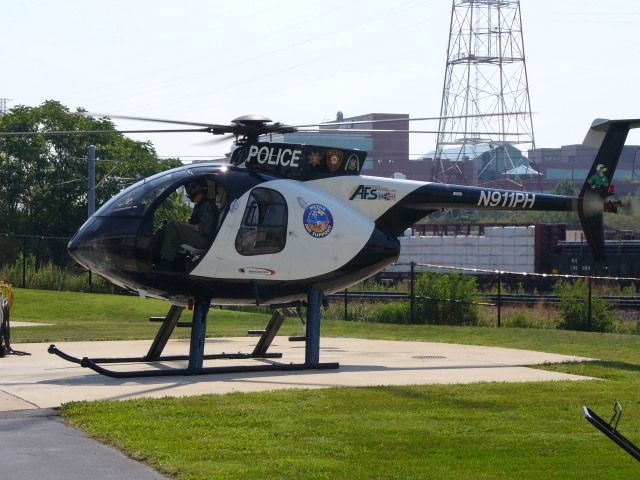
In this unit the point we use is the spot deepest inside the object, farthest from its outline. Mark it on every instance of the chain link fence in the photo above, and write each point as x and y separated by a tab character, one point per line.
503	298
42	262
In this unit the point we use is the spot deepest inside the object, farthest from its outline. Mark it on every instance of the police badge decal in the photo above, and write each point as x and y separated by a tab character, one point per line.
353	163
334	159
318	221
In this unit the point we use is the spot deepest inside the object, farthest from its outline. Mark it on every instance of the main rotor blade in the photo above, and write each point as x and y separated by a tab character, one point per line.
217	140
157	120
99	132
415	119
362	130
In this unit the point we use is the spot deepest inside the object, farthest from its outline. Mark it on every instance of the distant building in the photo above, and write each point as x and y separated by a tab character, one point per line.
499	165
495	164
572	162
387	152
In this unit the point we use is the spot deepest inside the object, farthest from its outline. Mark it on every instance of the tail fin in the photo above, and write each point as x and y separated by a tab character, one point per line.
609	137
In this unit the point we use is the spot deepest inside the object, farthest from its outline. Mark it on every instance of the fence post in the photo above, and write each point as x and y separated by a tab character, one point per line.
346	300
413	293
24	261
589	313
499	303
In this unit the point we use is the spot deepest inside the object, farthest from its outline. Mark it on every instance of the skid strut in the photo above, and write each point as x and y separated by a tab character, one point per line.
197	356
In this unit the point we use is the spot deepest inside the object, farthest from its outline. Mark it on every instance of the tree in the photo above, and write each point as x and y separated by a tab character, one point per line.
43	187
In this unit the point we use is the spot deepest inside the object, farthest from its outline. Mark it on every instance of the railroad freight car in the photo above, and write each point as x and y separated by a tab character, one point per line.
524	248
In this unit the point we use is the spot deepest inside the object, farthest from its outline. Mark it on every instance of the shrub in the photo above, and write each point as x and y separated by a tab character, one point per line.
49	276
574	309
444	298
389	313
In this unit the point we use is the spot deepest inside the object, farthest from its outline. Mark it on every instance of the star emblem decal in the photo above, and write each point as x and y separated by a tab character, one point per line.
315	159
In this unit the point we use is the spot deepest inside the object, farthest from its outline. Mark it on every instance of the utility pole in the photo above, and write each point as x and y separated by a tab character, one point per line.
91	192
91	188
3	105
486	89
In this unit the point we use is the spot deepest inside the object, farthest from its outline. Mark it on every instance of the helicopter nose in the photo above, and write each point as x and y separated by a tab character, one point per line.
109	246
81	247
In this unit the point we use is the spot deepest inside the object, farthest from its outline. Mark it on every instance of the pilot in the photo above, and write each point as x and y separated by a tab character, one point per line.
200	230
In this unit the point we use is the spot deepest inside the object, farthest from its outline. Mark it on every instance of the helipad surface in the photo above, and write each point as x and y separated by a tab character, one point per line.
44	381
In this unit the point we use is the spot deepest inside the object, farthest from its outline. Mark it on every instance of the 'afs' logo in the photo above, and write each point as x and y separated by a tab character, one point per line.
373	192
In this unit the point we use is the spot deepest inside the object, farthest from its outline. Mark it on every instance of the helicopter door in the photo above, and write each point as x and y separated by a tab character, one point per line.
264	224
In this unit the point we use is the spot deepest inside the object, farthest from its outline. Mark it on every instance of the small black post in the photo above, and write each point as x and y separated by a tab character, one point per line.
198	333
413	293
499	302
312	351
346	302
589	314
24	261
90	283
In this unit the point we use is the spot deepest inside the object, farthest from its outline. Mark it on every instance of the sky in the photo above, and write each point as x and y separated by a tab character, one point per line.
302	61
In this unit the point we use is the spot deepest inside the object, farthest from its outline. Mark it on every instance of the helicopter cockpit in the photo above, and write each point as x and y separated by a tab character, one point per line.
117	241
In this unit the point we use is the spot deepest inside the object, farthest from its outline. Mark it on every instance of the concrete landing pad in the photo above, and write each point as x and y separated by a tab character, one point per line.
28	324
46	381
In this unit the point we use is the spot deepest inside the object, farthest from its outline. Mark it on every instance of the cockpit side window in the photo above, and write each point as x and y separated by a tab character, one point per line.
264	224
173	207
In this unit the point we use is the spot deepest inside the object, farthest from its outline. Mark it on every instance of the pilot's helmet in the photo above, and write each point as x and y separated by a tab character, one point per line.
195	187
601	168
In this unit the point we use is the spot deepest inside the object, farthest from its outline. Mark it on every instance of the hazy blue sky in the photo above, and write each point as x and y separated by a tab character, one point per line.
301	61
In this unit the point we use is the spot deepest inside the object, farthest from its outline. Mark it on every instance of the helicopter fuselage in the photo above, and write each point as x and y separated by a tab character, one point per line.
309	238
278	237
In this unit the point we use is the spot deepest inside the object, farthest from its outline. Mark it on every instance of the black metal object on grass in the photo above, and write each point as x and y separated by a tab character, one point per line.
610	429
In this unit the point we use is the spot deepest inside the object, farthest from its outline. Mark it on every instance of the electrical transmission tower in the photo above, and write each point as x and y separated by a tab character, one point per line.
486	89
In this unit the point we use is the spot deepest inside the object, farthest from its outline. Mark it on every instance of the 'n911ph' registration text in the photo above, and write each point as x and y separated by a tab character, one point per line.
492	198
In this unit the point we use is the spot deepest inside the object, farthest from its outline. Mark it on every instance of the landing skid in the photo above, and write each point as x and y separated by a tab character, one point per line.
196	351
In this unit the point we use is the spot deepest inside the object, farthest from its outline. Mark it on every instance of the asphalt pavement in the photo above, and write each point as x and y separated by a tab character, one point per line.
38	445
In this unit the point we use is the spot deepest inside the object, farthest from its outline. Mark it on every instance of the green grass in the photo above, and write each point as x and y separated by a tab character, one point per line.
477	431
83	316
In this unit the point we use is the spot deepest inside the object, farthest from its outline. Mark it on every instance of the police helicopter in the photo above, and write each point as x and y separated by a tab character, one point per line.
296	222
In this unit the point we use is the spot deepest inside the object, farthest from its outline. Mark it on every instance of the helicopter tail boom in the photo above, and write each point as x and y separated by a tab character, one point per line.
431	197
609	137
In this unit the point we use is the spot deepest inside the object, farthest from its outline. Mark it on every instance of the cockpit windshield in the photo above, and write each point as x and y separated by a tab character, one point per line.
136	200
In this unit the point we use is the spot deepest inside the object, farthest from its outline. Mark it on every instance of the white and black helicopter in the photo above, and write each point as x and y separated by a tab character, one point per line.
296	222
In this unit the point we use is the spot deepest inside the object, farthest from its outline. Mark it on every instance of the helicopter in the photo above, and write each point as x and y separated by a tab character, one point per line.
296	222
